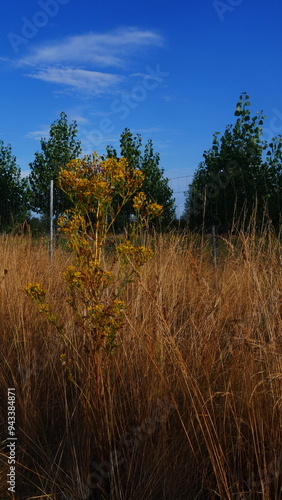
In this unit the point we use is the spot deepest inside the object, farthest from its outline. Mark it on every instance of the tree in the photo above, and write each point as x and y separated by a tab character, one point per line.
240	173
13	190
155	185
56	152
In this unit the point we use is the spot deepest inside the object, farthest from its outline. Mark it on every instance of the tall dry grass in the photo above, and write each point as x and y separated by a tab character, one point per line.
189	405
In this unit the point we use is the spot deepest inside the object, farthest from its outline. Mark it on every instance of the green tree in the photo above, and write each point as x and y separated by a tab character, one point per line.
56	152
241	172
13	190
155	185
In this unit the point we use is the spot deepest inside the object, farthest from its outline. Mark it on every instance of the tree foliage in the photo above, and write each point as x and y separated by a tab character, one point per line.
155	185
240	174
56	152
13	190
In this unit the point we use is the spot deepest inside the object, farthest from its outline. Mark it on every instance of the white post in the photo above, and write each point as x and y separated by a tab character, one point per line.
213	246
51	218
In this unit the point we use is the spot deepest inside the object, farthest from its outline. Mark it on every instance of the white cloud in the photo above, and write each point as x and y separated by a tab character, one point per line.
38	134
99	49
92	82
92	140
77	117
77	63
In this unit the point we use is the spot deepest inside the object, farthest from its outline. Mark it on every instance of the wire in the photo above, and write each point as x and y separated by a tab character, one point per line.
180	177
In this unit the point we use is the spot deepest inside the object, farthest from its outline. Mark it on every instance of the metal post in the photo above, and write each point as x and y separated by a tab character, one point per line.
51	218
213	246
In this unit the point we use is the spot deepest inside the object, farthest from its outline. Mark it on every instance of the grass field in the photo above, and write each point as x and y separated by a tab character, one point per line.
189	406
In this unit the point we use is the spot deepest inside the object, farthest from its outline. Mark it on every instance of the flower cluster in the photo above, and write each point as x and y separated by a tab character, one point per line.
139	201
154	209
98	189
102	321
144	208
135	255
97	182
35	292
74	277
38	294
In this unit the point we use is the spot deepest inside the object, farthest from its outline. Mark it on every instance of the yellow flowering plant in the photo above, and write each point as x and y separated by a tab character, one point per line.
38	294
94	290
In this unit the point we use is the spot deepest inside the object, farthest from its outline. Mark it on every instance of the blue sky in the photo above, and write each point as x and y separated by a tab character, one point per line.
172	71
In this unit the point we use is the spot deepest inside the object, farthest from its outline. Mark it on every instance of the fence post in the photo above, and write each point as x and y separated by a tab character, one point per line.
213	246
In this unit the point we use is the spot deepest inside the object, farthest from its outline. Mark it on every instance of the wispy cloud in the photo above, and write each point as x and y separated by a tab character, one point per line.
91	140
78	116
38	134
77	62
79	79
99	49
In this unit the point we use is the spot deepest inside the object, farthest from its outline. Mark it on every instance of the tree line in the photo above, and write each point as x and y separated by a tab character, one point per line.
240	175
23	197
239	179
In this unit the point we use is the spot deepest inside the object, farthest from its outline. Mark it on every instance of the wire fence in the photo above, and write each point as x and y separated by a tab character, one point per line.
11	213
180	186
13	218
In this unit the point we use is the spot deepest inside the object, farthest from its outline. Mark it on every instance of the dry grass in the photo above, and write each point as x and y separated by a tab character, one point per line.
188	407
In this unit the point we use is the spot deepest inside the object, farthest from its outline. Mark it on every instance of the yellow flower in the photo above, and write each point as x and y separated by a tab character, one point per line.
138	255
139	201
154	209
44	308
35	292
